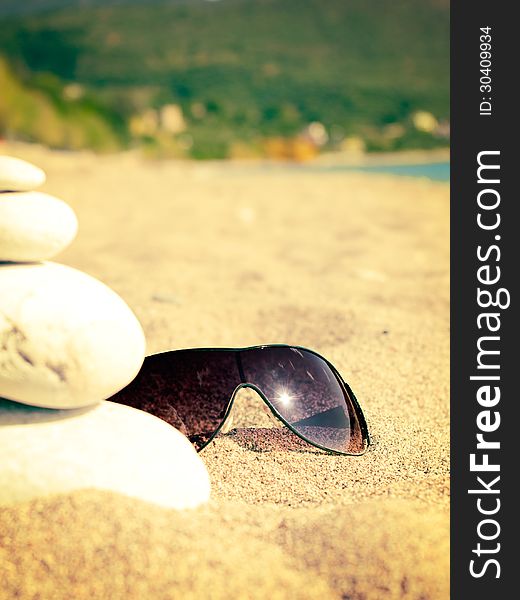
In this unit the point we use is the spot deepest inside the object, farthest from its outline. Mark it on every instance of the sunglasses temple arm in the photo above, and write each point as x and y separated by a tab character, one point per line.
361	417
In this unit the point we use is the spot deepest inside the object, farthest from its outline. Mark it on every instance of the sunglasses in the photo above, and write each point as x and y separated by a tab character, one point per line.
194	391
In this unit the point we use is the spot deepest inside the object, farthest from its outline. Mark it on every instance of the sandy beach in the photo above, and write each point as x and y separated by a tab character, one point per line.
354	266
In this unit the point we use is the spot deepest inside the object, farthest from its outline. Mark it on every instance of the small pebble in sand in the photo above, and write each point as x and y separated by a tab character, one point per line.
246	215
34	226
17	175
108	447
67	339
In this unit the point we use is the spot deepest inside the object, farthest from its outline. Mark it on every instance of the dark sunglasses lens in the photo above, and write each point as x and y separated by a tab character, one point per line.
307	393
190	389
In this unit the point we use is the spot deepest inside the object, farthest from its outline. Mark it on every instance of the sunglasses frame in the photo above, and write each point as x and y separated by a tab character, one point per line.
346	388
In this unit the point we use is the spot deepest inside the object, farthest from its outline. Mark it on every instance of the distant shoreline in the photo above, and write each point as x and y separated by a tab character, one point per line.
331	159
405	157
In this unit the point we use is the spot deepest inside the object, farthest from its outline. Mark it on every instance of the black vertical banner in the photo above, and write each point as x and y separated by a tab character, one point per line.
484	270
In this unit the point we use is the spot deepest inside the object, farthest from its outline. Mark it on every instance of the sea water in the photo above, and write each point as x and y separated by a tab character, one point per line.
436	171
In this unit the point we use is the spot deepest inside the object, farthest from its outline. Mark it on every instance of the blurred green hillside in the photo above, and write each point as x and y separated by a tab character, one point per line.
278	78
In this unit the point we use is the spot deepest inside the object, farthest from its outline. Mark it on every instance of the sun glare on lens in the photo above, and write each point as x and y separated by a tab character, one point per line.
284	398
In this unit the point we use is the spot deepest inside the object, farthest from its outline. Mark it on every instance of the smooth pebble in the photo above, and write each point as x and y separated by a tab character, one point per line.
34	226
17	175
66	339
108	447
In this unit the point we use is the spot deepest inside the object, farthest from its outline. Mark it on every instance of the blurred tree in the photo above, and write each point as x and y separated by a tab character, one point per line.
50	50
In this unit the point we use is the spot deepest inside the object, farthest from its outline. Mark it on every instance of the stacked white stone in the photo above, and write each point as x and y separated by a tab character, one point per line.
68	342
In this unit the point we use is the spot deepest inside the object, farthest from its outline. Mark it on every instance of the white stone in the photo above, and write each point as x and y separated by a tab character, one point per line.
17	175
34	226
66	339
109	447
